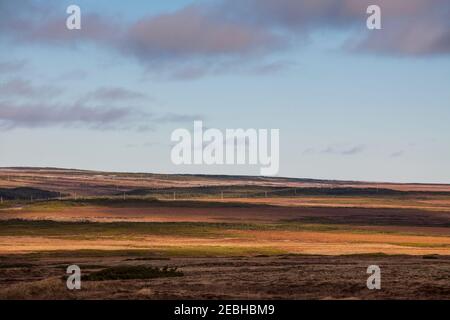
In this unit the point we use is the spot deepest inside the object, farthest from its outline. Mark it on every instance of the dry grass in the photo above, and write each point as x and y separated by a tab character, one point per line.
259	277
52	288
254	248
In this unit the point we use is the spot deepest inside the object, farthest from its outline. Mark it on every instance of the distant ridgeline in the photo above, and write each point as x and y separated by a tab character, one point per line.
25	193
258	191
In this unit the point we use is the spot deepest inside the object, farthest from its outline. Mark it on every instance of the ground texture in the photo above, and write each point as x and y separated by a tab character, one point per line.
189	237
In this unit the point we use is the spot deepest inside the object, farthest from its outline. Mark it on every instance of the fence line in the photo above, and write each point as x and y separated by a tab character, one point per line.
175	195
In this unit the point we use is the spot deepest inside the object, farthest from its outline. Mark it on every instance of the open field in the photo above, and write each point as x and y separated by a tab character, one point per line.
18	236
230	237
277	276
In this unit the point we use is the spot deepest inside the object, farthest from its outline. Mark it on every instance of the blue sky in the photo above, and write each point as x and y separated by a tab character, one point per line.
350	103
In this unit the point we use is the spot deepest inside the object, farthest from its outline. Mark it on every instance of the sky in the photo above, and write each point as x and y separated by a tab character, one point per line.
351	103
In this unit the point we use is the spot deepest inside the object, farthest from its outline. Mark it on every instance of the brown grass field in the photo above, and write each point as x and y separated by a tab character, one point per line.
230	237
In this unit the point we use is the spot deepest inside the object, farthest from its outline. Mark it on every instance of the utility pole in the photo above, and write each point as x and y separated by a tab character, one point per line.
174	195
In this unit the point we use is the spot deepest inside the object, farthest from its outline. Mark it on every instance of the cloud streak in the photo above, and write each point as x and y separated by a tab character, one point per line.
7	67
199	39
345	151
24	104
410	27
25	89
397	154
341	150
195	32
42	115
111	94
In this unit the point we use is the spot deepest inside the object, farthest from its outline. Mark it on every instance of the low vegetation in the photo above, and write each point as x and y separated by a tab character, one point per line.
15	265
133	272
25	193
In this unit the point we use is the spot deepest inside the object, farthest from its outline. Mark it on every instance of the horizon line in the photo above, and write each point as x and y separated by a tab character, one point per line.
226	175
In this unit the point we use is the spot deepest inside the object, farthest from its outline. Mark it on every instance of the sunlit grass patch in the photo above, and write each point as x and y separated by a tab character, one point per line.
87	230
422	245
217	251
